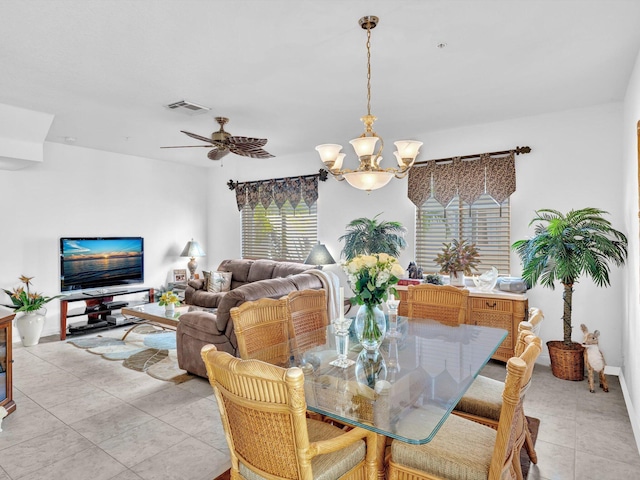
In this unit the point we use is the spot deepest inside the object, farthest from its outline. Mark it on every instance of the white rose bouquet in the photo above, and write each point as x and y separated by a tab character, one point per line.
371	276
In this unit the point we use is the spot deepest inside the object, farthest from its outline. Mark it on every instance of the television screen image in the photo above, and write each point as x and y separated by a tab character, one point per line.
87	263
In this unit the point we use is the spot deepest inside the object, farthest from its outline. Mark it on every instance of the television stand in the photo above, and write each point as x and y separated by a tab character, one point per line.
96	309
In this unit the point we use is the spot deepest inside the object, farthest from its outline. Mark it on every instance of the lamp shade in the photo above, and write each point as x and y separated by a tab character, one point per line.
193	249
368	180
319	255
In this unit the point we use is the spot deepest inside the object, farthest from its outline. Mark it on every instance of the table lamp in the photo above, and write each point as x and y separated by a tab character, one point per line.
318	256
192	249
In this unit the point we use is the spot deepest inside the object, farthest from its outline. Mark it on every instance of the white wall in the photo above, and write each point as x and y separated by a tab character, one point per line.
82	192
575	162
631	312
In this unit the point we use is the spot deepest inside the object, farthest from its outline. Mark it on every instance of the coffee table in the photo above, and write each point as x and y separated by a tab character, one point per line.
154	314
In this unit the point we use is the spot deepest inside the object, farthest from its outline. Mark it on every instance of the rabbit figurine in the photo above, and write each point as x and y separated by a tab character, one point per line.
593	358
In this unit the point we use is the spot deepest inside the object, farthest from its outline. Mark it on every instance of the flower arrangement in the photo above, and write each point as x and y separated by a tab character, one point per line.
169	298
25	301
371	276
458	257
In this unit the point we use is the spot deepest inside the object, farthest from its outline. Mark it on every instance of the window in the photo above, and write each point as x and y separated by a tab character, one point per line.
485	223
286	234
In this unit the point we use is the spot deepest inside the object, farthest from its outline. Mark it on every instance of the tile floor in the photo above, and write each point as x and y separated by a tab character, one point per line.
82	417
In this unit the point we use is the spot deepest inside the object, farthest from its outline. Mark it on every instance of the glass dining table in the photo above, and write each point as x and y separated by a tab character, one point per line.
405	390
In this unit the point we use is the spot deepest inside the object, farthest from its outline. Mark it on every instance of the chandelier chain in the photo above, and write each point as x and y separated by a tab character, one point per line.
368	70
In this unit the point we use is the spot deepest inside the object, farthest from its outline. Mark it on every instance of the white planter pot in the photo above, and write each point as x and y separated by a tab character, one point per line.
30	325
456	279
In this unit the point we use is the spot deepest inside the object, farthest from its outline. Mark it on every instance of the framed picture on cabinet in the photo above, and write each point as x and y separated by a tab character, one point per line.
180	276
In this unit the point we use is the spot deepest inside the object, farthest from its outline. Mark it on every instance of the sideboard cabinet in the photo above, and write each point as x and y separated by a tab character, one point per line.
6	362
490	309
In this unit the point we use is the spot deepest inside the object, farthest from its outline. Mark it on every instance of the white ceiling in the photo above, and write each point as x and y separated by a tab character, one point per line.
294	71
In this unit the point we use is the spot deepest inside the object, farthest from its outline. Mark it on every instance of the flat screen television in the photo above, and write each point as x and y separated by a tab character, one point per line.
100	262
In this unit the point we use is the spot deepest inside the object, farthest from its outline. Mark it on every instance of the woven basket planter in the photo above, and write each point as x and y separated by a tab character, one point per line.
567	361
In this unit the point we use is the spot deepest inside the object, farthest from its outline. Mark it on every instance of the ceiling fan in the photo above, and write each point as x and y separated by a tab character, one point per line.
222	142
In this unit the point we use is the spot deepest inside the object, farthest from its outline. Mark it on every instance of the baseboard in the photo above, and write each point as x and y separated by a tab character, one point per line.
633	417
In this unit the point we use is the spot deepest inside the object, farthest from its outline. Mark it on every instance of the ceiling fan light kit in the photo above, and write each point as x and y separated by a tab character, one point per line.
369	175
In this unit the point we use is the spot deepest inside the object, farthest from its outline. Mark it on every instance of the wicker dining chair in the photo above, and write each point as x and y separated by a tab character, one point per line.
262	330
262	408
443	303
307	310
482	402
466	449
535	319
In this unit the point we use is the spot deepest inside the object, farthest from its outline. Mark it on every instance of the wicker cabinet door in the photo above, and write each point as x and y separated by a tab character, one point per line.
403	308
499	313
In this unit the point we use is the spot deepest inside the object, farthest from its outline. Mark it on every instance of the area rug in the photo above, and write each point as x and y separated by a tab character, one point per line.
146	349
525	463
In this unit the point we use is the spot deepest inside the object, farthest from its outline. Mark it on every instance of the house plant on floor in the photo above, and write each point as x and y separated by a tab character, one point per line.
31	322
458	258
563	248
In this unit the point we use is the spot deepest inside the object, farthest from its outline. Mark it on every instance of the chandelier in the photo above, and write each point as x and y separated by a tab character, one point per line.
369	175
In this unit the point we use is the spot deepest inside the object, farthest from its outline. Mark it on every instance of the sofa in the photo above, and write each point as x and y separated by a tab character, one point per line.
250	280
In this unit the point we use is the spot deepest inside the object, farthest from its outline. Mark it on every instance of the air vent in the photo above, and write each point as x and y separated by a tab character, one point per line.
187	107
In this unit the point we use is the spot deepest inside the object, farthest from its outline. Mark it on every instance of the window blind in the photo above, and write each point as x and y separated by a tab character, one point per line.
279	234
486	223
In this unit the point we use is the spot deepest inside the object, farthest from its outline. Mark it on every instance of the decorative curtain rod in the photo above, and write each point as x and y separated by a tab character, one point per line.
517	151
322	176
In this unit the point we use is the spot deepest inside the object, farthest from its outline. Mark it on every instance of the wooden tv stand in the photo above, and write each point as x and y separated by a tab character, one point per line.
94	300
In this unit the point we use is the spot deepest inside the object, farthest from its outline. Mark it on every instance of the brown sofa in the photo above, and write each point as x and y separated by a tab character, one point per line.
251	280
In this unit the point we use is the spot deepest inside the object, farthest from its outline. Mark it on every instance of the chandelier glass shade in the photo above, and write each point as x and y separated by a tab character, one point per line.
369	175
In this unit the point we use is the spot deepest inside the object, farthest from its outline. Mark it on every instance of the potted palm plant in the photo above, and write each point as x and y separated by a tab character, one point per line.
366	236
563	248
458	258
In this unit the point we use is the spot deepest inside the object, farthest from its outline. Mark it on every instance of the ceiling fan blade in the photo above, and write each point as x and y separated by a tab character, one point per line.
197	137
189	146
258	142
217	154
252	152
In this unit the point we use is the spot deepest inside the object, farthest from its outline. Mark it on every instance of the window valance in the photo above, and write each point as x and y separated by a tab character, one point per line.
469	177
278	191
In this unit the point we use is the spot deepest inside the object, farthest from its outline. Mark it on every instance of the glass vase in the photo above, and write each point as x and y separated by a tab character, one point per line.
370	326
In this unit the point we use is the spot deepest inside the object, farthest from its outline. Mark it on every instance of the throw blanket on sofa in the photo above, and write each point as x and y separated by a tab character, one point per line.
331	284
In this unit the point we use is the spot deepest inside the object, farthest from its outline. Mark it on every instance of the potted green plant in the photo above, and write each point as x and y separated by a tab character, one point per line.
458	258
433	279
563	248
31	322
366	236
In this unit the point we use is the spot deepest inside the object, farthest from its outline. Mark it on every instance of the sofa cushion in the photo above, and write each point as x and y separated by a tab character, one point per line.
284	269
261	270
203	298
217	282
239	269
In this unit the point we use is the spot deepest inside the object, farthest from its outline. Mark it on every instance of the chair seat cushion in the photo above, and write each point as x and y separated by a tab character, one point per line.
461	449
329	466
484	398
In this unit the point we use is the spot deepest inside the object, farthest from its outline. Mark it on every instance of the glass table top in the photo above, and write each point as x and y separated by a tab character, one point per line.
406	390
